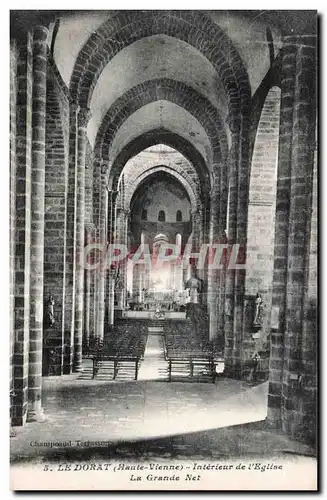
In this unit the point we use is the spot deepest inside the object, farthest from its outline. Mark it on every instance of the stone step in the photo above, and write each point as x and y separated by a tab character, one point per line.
155	329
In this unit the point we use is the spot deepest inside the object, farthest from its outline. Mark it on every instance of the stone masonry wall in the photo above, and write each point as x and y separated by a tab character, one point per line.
55	217
261	220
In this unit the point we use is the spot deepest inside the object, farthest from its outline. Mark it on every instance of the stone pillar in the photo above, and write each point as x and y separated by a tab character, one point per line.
82	121
22	228
124	268
223	202
289	361
241	240
120	224
70	258
281	232
136	281
103	210
237	234
35	411
205	240
111	296
111	274
300	413
89	292
94	303
213	275
196	222
12	202
233	162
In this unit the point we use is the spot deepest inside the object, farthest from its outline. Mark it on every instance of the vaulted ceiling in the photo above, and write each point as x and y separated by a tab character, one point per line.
163	56
186	72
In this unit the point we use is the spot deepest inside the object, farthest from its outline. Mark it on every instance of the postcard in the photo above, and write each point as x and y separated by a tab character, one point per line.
163	250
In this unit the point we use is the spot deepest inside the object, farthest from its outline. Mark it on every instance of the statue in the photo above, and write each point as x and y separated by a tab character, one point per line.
229	308
49	319
195	287
257	321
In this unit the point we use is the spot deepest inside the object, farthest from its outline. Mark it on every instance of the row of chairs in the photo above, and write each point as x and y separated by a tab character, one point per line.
190	357
123	345
184	338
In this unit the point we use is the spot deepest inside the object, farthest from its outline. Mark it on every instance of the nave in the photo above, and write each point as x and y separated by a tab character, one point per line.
163	222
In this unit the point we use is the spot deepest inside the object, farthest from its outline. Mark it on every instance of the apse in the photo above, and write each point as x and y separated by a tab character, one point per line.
162	197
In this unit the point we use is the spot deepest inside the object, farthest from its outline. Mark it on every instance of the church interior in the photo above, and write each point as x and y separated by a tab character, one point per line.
194	131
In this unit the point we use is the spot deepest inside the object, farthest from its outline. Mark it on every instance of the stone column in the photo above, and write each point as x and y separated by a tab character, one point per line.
213	274
35	411
12	212
233	162
136	281
297	413
120	224
88	274
94	303
124	268
103	208
206	239
241	240
288	53
22	228
196	230
223	201
237	234
111	296
70	259
289	360
112	196
82	121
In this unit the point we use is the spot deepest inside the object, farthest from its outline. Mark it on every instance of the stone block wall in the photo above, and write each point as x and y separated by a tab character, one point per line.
57	124
261	222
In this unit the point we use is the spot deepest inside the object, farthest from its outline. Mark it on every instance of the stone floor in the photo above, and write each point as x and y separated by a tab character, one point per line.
150	419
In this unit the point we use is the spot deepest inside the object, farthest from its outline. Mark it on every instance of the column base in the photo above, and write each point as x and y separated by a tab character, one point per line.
36	414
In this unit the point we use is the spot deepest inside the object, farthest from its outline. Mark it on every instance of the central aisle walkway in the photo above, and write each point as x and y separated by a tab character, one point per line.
154	365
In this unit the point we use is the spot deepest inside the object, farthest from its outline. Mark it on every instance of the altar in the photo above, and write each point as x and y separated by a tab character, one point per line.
154	315
165	301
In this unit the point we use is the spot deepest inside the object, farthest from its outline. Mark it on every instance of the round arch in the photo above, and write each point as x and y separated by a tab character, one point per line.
194	200
192	27
162	136
173	91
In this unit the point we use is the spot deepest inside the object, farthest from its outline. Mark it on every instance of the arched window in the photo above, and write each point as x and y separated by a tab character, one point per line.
179	216
161	216
144	215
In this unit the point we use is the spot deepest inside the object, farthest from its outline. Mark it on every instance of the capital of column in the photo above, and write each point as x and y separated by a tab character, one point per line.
40	33
84	115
